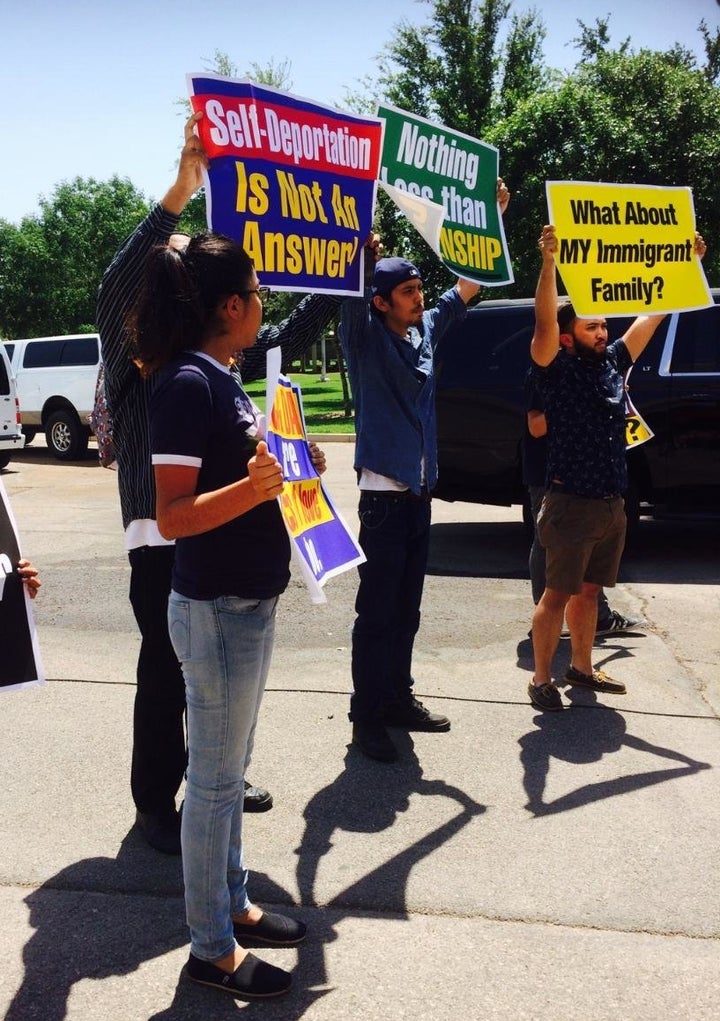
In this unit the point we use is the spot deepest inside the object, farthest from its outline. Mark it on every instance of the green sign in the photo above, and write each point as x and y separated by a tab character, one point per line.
426	165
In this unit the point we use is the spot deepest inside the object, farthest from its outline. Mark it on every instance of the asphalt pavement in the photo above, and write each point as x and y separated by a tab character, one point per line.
552	867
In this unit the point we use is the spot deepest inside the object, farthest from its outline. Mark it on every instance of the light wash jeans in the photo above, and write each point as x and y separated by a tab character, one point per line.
224	646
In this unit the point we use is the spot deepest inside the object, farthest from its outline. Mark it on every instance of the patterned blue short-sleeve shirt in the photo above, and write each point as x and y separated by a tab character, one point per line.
585	408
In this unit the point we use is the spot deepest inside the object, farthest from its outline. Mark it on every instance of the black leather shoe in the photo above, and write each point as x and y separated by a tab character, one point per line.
161	830
272	931
374	741
252	980
413	715
256	799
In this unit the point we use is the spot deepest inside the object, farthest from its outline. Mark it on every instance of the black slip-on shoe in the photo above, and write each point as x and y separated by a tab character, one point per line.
252	980
545	696
373	740
161	830
413	715
256	799
272	931
597	681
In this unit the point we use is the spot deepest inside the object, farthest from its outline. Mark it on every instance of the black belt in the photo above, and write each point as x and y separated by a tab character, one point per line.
424	496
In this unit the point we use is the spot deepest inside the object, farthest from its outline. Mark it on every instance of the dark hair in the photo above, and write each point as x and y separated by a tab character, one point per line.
566	316
177	306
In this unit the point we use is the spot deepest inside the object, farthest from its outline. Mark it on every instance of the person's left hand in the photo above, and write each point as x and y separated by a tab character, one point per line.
318	457
29	575
503	195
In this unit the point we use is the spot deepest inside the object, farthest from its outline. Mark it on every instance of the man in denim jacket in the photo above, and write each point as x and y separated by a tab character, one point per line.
388	340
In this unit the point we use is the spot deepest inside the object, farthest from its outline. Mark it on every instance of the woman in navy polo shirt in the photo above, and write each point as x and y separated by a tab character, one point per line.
216	487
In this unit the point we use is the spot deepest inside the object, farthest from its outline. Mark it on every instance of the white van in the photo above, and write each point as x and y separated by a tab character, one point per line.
55	378
11	437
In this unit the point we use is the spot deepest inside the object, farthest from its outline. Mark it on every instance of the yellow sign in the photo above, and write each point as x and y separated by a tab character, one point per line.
626	249
304	505
285	417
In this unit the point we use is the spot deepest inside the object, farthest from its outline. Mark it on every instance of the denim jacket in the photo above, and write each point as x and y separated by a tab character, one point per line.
393	385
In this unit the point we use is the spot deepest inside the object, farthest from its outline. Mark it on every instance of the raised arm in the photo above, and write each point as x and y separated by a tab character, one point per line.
642	329
545	343
123	278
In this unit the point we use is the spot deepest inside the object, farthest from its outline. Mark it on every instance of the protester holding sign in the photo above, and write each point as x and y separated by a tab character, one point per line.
159	755
581	523
216	486
388	341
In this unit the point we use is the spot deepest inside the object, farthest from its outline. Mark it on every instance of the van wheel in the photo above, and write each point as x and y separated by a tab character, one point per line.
66	437
29	432
4	461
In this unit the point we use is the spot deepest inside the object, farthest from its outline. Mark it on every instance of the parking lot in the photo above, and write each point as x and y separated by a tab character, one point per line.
521	866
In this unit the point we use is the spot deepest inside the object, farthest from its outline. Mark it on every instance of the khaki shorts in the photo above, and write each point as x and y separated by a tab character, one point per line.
583	539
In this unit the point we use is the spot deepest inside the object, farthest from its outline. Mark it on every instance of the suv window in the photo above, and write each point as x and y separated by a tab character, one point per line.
80	352
493	346
697	342
43	354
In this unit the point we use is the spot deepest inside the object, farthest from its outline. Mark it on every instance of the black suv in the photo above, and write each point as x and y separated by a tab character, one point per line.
481	366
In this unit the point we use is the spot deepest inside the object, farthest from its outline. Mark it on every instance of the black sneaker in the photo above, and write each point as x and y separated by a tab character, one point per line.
617	622
374	741
413	715
256	799
597	681
545	696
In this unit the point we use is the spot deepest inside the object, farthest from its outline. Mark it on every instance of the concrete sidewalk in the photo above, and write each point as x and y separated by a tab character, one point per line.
558	867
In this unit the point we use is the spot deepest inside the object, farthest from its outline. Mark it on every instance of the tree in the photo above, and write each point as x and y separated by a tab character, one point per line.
454	70
646	118
52	263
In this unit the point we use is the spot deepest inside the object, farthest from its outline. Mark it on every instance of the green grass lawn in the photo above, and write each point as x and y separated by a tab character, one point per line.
322	402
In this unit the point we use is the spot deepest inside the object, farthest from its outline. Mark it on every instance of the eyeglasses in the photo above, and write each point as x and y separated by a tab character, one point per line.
263	293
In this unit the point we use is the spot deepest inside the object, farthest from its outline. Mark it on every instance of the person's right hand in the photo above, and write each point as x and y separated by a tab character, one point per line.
265	473
193	159
548	242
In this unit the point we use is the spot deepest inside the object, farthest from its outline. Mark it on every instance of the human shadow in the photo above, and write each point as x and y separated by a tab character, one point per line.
82	933
367	797
583	737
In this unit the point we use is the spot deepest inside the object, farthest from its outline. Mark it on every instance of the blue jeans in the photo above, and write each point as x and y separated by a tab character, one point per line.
394	536
224	646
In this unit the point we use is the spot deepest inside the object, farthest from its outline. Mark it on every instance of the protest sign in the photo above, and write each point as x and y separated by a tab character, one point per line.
323	544
637	430
626	249
294	182
20	665
445	182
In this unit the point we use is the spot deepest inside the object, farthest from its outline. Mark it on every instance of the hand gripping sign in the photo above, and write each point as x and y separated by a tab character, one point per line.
323	544
292	181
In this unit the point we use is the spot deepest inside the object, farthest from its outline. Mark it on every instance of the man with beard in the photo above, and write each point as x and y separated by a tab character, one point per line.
581	524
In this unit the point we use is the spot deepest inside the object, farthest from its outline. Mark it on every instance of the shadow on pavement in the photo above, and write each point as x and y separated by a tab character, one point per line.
583	737
85	938
94	935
